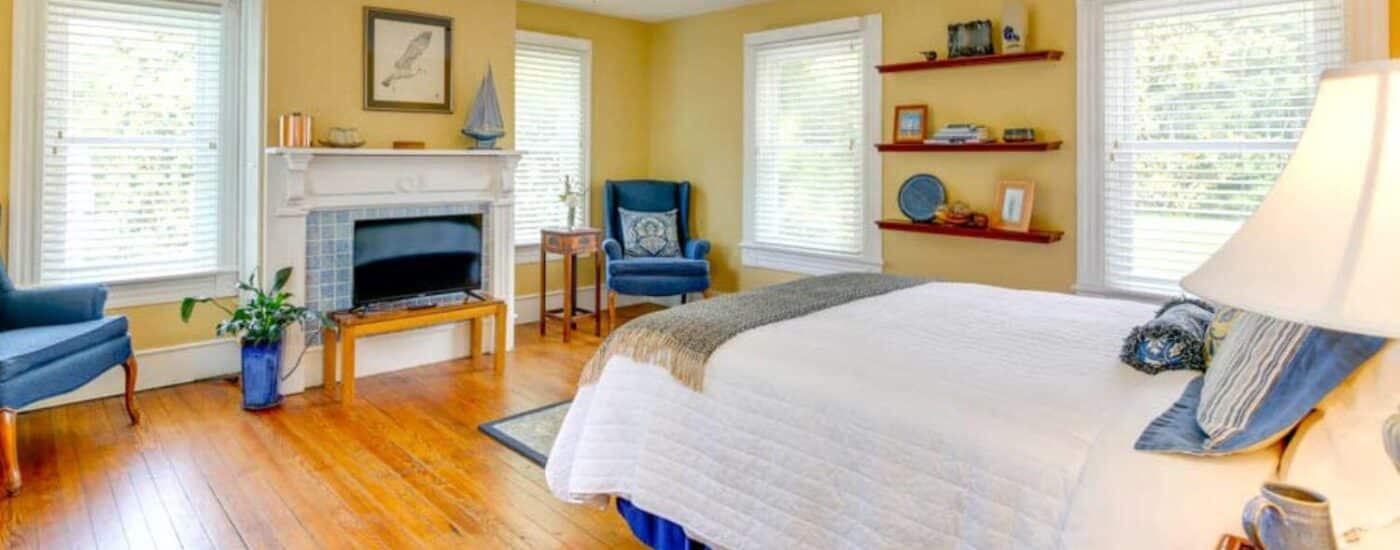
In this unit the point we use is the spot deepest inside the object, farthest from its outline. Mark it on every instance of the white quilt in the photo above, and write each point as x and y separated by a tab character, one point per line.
941	416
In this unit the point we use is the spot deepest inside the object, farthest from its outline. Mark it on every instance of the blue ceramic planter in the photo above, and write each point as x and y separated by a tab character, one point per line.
262	367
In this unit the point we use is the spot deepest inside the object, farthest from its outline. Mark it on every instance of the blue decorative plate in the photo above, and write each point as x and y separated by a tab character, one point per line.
920	197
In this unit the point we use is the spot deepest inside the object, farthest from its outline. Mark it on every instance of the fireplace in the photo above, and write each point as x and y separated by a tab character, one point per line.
315	198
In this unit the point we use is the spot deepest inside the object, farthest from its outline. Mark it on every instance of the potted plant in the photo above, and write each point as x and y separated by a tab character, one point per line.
260	324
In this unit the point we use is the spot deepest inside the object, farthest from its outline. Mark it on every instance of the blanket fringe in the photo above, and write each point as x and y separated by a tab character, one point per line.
649	346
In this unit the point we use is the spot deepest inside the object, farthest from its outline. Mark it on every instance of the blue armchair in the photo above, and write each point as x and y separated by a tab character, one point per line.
52	341
685	274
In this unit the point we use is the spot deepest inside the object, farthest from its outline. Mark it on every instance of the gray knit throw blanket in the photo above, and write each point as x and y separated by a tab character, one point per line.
681	339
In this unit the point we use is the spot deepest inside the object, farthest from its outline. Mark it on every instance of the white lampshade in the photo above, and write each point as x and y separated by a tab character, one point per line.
1324	247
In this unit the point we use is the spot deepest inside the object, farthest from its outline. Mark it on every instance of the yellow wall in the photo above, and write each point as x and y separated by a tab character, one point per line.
620	116
697	115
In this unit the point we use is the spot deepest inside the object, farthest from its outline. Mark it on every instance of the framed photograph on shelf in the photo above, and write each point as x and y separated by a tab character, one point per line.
970	39
408	61
910	123
1015	201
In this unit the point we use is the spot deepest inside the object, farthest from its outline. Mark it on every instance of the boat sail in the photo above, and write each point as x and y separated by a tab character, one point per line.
485	124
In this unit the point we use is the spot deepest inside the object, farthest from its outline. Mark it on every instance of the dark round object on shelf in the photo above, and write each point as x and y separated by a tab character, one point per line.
920	196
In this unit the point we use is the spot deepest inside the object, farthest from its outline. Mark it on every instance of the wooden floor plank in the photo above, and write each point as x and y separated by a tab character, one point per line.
402	466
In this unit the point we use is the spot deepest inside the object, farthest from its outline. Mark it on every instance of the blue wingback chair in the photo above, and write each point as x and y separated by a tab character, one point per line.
685	274
52	341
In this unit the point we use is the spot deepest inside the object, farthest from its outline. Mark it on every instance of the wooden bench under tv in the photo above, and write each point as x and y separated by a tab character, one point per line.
353	325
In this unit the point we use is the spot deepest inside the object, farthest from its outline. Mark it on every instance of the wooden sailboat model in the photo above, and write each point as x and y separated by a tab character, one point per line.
485	124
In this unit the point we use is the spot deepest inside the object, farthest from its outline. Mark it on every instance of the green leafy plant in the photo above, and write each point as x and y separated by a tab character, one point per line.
264	316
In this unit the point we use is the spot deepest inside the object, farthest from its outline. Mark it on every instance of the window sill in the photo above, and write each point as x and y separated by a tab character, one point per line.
806	262
165	290
1101	291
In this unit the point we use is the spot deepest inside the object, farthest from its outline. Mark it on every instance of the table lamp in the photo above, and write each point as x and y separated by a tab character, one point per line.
1324	247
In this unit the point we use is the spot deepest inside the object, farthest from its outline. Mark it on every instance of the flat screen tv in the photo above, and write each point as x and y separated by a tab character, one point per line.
403	258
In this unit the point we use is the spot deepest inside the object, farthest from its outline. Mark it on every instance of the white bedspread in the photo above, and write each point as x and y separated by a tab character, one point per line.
941	416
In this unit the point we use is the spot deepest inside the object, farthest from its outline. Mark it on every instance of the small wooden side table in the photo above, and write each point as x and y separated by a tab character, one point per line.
570	243
355	325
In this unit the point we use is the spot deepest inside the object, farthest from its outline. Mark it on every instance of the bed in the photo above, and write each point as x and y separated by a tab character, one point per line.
937	416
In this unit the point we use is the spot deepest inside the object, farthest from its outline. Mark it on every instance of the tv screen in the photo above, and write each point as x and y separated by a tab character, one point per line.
404	258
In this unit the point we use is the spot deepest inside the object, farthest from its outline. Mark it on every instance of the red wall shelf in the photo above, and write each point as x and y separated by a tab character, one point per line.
1042	55
1034	146
1032	236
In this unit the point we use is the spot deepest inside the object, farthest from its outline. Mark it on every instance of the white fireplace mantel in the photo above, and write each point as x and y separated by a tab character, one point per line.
300	181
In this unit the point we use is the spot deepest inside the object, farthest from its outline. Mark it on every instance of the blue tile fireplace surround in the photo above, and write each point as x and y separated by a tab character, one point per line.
329	238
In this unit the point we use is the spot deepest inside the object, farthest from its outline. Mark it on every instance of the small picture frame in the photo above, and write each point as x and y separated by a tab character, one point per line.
1015	201
408	61
910	123
970	39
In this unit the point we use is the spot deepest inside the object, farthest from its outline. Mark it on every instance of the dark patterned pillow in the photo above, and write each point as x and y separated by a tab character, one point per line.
1173	340
649	234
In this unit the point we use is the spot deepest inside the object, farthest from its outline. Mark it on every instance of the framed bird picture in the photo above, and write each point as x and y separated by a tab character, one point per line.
408	61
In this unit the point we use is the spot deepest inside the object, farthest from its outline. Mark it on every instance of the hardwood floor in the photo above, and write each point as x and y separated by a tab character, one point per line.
403	466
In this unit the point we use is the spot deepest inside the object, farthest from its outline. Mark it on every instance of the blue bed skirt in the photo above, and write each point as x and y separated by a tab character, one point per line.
655	531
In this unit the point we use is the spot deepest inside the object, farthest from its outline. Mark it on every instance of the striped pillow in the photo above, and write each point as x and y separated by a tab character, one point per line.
1264	378
1242	372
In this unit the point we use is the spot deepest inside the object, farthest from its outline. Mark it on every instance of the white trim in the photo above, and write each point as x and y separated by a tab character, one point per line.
26	115
811	30
585	47
160	367
1133	295
253	111
241	163
808	262
1090	247
164	290
871	258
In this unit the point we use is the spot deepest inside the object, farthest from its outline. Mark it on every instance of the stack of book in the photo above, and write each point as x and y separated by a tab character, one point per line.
962	134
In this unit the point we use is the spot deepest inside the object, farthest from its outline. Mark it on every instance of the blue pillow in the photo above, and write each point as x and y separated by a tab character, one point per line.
649	234
1266	377
1173	340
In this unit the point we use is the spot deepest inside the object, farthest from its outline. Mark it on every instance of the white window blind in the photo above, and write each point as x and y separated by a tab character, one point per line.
550	126
809	144
1203	102
132	171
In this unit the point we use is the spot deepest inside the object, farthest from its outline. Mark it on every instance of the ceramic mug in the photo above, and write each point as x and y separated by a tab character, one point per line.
1286	517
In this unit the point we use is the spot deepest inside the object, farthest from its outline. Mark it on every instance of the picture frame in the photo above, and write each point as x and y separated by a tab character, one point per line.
407	61
1015	202
970	39
910	123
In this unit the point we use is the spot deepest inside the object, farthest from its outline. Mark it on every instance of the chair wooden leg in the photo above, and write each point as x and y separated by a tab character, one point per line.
131	371
9	441
612	310
708	294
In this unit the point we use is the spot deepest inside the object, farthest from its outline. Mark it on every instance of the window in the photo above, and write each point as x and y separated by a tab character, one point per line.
811	177
130	158
551	127
1189	111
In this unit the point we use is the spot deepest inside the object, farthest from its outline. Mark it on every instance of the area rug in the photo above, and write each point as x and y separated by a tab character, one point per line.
530	433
